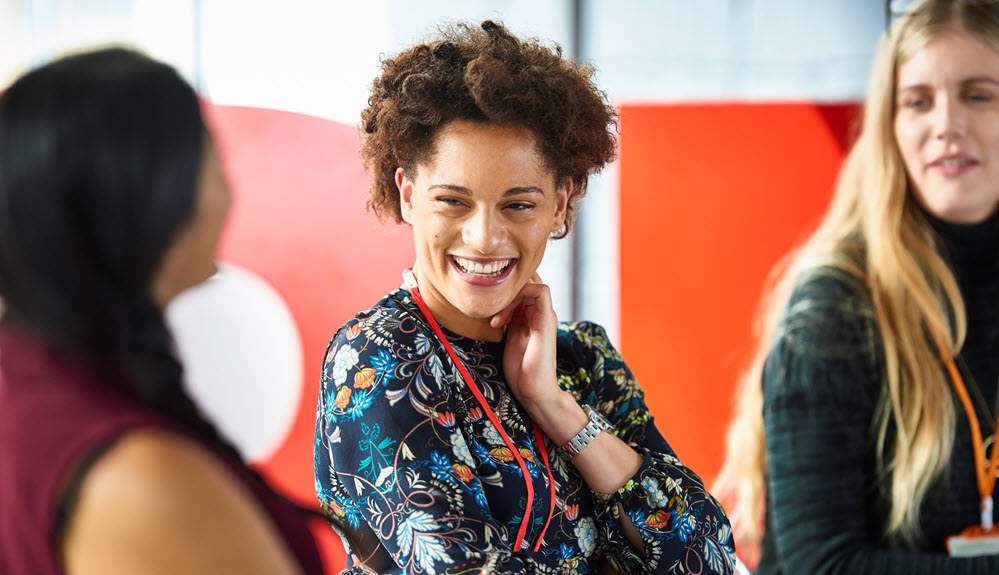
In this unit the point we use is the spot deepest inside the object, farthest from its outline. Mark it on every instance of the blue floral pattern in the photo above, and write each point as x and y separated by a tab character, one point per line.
405	456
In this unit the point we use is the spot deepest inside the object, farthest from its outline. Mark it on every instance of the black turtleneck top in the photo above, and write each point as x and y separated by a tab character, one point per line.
825	510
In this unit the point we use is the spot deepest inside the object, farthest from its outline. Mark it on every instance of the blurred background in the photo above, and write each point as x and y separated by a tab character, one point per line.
735	115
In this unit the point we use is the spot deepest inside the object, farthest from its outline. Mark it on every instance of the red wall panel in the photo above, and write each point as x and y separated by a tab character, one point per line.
298	221
712	196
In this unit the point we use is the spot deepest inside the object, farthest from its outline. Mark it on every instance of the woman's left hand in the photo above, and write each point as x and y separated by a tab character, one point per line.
529	358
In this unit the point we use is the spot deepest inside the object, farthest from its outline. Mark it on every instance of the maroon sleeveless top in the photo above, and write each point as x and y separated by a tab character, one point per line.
54	417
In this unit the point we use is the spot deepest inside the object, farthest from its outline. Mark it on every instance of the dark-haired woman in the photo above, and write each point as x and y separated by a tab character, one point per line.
461	428
111	203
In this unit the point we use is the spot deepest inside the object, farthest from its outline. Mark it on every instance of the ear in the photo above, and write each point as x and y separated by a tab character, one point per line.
562	195
405	186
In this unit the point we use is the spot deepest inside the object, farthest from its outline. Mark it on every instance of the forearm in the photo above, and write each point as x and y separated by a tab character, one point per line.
606	464
653	512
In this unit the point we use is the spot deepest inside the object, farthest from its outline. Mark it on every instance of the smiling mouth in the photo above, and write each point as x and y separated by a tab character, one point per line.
493	268
954	162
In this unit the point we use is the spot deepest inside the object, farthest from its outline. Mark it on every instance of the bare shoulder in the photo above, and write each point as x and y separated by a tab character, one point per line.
158	502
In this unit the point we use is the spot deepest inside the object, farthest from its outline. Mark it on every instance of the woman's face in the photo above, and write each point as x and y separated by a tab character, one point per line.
482	211
190	259
947	126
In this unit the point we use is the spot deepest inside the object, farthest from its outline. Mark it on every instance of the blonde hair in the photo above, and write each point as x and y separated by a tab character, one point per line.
911	289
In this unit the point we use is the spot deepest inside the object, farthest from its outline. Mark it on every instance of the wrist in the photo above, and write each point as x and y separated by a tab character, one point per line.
560	417
595	426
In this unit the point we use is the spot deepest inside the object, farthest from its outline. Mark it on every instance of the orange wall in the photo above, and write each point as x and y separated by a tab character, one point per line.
712	195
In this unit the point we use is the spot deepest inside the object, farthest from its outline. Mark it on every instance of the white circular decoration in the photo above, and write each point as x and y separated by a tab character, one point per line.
242	356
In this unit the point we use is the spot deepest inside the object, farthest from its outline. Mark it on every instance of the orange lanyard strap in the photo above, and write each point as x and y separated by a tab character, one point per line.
986	474
411	285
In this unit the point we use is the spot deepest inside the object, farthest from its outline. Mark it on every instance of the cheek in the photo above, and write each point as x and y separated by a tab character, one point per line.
991	135
436	236
908	140
535	236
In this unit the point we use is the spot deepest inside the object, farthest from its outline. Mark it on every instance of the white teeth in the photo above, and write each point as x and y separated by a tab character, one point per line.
469	266
950	162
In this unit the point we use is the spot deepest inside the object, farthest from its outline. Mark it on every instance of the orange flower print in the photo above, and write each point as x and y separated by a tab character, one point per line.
353	331
502	453
475	413
526	454
342	397
657	520
446	419
572	511
337	509
463	472
364	378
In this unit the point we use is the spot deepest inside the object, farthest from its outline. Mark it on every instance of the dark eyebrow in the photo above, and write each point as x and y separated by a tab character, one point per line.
523	190
451	188
466	192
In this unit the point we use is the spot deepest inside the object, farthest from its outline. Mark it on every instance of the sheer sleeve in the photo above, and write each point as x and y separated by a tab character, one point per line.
683	528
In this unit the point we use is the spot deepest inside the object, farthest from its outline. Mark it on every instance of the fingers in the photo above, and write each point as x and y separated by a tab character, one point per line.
533	297
504	316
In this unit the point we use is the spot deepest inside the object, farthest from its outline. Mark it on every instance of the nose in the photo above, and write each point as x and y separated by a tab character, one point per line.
951	119
483	231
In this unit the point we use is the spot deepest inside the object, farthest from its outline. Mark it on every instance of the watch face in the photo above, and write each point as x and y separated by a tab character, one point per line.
597	418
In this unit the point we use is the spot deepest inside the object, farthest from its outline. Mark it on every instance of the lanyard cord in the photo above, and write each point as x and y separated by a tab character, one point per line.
410	284
965	371
986	475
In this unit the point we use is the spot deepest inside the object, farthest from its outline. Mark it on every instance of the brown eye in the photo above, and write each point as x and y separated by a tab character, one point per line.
520	206
450	202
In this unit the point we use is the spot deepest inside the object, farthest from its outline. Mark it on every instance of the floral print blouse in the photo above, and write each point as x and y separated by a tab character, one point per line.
405	457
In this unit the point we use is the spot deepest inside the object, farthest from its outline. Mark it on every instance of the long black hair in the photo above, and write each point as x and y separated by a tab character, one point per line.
99	161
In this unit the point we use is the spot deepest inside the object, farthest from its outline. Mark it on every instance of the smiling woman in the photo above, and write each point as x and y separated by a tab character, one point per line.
947	126
482	212
461	428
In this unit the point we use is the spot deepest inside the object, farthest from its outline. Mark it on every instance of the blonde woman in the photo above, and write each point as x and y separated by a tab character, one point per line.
853	450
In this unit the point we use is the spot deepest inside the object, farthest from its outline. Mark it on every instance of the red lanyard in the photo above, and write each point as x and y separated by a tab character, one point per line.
986	474
409	282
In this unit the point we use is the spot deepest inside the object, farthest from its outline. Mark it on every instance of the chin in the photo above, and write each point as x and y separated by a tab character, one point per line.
962	215
479	311
482	308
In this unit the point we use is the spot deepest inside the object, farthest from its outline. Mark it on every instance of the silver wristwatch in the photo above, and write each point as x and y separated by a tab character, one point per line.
596	424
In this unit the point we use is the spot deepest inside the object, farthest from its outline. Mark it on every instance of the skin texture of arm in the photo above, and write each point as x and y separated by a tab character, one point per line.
156	503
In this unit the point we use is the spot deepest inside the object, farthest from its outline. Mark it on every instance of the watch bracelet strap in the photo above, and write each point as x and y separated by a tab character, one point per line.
593	427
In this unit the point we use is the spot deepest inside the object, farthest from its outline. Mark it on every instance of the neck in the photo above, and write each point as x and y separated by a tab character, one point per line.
969	245
450	317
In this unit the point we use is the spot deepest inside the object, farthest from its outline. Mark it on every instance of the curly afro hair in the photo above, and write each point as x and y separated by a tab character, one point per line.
488	75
